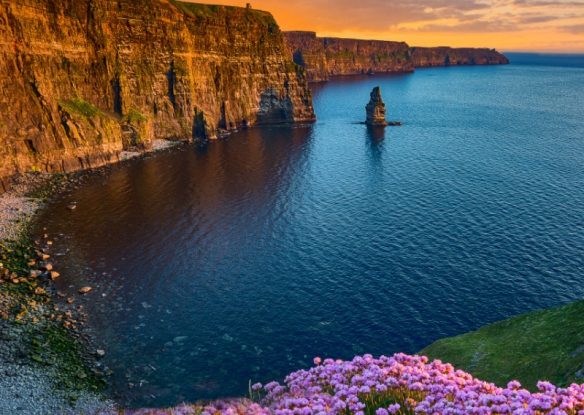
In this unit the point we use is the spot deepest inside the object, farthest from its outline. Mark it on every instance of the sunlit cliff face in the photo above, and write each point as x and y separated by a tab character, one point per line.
528	25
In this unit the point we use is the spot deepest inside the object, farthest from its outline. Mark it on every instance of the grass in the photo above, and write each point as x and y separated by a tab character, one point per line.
542	345
134	117
197	9
80	107
210	10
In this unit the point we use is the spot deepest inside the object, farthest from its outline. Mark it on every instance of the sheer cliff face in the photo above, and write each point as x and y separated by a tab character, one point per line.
444	56
326	57
81	80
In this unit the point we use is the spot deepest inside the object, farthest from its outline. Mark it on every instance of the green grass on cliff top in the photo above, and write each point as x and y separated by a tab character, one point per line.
543	345
209	10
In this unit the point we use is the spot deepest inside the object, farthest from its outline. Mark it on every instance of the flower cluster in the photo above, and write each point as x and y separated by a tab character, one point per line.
402	384
405	384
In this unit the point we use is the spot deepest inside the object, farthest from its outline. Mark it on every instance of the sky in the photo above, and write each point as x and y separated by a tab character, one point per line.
507	25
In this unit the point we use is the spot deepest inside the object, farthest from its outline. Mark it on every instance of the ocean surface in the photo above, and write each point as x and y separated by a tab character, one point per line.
244	260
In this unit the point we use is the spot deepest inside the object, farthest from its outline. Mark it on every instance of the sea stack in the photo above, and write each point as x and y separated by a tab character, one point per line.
376	109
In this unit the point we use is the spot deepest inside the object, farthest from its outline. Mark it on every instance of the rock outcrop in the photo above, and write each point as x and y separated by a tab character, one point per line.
376	109
80	80
327	57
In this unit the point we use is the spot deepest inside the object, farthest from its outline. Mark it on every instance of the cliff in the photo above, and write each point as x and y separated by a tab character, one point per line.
326	57
81	80
445	56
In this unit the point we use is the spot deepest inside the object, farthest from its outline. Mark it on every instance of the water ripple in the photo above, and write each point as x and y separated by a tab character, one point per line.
245	260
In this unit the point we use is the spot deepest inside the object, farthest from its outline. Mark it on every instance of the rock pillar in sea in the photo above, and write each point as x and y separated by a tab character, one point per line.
376	109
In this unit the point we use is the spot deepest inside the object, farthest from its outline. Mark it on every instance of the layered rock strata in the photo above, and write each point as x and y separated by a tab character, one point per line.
375	109
324	57
81	80
445	56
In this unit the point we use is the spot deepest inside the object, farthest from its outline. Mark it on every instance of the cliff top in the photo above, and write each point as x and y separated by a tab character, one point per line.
209	10
310	34
447	48
314	35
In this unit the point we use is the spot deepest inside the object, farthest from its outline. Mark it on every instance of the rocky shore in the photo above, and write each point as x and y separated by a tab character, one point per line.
48	364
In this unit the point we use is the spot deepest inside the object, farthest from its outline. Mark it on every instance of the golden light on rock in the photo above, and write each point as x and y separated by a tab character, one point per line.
508	25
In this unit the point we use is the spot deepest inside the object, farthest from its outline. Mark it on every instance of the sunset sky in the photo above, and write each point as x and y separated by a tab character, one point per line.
508	25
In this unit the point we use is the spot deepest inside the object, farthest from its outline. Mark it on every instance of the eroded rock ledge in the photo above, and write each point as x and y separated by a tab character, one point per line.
327	57
82	80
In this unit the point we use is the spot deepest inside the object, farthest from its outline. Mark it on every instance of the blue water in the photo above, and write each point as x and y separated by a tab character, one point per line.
539	59
245	260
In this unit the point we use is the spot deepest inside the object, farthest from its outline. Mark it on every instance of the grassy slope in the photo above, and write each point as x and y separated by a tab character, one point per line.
543	345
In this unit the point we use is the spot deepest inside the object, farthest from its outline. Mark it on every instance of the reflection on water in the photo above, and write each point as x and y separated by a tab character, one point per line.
246	259
375	134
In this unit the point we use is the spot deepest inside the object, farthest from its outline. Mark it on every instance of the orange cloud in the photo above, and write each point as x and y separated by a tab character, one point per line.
527	25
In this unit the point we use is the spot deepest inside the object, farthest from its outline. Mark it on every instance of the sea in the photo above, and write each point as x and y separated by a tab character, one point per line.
243	260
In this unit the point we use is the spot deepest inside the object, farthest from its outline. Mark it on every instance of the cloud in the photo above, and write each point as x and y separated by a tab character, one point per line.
373	15
430	21
575	29
383	14
423	15
550	3
509	16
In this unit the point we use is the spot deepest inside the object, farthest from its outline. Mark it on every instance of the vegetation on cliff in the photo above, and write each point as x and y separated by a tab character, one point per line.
80	107
75	75
211	10
545	344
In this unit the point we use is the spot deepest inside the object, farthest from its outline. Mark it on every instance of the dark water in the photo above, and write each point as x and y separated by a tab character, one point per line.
559	60
247	259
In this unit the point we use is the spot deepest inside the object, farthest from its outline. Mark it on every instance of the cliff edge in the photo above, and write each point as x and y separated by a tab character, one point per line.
324	57
81	80
445	56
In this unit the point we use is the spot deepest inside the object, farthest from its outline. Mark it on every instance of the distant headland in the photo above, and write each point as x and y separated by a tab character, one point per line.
326	57
80	97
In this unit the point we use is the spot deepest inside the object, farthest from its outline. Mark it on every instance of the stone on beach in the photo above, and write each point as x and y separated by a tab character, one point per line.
34	273
85	290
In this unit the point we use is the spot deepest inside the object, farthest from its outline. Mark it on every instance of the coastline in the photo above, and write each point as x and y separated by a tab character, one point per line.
51	385
47	363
